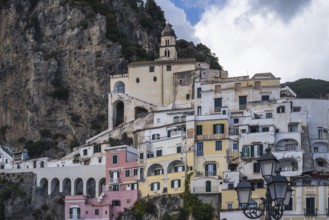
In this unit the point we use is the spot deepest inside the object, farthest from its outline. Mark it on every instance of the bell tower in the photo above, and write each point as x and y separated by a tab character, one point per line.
168	43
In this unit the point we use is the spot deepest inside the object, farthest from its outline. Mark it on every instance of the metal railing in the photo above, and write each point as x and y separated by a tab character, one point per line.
310	212
213	189
114	180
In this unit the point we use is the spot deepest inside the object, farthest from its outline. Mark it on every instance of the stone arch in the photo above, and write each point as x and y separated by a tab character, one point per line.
67	186
154	170
140	112
320	147
119	87
91	187
176	166
44	183
54	185
321	162
101	186
286	145
118	113
78	186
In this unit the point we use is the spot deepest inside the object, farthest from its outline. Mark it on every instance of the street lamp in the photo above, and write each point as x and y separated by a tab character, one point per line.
278	192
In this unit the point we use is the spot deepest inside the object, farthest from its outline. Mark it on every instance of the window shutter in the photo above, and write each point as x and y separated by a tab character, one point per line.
261	150
215	169
222	128
252	150
207	168
214	129
178	183
71	211
172	184
152	186
78	211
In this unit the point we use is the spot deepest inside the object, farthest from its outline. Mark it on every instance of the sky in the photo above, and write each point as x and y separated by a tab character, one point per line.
289	38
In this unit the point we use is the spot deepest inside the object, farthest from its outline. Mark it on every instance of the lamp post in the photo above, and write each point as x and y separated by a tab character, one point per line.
278	192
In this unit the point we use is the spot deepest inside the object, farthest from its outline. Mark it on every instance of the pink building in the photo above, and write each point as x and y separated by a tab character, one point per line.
121	188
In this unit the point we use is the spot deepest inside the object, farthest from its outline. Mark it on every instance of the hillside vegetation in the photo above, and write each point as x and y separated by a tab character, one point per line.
309	88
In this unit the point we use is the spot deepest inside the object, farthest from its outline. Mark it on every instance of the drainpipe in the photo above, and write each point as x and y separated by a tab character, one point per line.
162	85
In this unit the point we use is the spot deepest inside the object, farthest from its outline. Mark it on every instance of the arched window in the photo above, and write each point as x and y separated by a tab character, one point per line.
42	164
119	87
158	120
183	118
224	112
208	186
176	119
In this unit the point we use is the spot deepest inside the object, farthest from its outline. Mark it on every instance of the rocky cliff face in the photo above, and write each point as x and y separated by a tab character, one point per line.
56	60
21	199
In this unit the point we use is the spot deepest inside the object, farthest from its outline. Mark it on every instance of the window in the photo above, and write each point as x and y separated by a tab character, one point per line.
151	69
310	206
137	80
235	146
198	93
99	160
218	104
115	188
253	129
150	155
256	167
158	172
218	89
208	186
96	211
154	78
155	186
199	148
116	203
257	85
265	129
296	109
187	96
268	115
127	173
175	184
236	120
135	172
176	119
178	149
237	87
42	164
85	152
242	102
210	169
114	159
158	120
159	153
218	129
293	127
218	145
316	149
199	110
230	186
320	133
265	97
168	67
179	169
97	149
199	130
141	156
229	206
280	109
290	206
119	87
180	82
155	136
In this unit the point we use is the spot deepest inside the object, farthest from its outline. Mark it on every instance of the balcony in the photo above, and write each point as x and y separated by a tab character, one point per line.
310	212
114	180
75	217
287	147
213	189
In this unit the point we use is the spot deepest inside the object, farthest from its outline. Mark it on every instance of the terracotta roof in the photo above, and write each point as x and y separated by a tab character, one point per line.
168	31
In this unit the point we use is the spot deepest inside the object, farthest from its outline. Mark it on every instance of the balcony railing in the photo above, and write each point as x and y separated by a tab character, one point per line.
75	217
213	189
310	212
114	180
287	147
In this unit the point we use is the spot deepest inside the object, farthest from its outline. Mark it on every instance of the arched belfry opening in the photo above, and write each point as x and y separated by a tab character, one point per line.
118	116
119	87
140	112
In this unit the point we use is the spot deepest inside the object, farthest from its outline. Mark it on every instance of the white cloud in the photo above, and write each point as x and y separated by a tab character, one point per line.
177	17
248	42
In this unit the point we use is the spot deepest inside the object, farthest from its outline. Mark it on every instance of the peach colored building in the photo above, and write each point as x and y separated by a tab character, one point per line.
121	188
